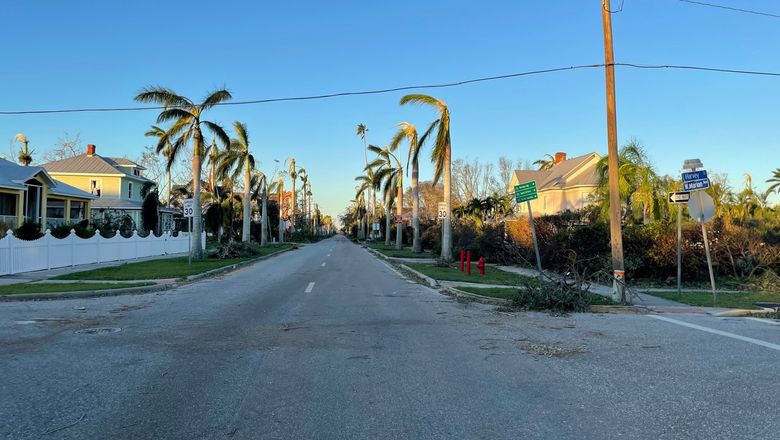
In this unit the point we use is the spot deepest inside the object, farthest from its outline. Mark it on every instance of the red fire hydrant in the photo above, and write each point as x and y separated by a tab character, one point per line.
481	265
462	252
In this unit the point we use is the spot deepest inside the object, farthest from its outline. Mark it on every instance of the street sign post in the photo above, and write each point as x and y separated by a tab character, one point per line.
679	198
702	208
525	192
189	209
442	211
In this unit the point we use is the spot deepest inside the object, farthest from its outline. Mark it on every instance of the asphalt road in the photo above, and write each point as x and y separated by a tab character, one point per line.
327	342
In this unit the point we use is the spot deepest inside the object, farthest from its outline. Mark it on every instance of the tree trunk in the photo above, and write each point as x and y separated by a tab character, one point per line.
247	204
416	244
446	224
280	204
373	210
197	221
399	229
292	213
264	221
388	214
168	186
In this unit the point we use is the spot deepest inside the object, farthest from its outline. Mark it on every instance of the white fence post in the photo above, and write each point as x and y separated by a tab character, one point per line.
72	238
47	239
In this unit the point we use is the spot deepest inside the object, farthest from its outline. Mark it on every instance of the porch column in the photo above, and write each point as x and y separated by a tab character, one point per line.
20	208
44	196
67	210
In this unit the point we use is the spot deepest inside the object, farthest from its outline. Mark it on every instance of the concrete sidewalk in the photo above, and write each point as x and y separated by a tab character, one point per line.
41	275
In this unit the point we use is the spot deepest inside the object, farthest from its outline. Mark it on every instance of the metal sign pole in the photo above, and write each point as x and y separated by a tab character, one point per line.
189	241
533	236
707	249
679	249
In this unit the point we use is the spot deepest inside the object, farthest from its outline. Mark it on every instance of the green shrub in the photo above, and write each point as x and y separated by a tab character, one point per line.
29	230
60	231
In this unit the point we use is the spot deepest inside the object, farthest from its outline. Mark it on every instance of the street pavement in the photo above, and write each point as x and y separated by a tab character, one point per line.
328	342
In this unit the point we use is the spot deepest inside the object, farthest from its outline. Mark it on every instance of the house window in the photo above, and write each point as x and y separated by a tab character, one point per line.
76	211
32	202
130	190
136	172
95	187
55	209
7	206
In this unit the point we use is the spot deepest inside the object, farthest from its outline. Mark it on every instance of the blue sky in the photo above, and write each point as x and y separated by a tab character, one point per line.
91	54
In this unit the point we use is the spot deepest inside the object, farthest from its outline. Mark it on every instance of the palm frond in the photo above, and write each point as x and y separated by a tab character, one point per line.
214	98
218	131
163	96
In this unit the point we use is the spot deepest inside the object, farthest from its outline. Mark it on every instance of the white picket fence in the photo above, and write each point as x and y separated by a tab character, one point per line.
48	252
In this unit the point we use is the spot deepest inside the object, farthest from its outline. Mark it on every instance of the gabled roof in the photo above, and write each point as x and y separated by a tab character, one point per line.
563	174
94	164
13	176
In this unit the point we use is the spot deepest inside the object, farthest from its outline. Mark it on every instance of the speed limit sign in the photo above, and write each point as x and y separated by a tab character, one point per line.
442	210
189	205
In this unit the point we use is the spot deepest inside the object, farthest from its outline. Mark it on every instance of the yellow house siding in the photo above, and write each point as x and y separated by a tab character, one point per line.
110	186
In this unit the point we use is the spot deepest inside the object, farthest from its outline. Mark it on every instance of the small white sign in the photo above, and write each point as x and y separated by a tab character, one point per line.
376	226
189	207
442	210
692	164
701	207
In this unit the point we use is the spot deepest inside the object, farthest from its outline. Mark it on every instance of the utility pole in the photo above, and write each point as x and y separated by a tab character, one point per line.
615	229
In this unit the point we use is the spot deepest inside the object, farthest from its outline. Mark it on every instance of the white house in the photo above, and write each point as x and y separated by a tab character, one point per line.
566	186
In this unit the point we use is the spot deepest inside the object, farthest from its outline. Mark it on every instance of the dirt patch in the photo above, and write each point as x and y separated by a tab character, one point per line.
128	308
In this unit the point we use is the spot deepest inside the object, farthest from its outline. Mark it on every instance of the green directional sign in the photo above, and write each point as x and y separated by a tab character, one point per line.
525	192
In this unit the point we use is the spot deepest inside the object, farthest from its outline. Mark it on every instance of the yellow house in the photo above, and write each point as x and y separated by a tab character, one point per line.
115	182
30	193
567	186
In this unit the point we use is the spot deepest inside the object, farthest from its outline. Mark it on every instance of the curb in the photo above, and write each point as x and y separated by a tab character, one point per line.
449	290
431	282
236	266
136	290
85	293
744	312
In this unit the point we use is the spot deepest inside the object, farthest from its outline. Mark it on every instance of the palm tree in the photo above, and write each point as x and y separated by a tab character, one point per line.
238	158
441	156
292	171
304	180
545	163
775	181
361	132
259	182
637	182
25	155
280	202
409	132
187	125
170	158
390	171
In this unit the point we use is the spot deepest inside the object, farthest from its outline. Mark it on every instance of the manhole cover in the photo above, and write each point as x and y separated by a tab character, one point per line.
98	330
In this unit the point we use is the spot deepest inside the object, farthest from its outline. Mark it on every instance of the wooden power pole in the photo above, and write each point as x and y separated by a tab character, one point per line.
615	229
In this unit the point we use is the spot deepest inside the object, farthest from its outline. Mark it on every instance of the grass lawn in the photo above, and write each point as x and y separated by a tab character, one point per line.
742	300
13	289
492	275
727	283
509	293
406	252
162	268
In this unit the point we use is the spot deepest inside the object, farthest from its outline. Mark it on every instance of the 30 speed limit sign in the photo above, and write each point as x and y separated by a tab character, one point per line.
442	210
189	205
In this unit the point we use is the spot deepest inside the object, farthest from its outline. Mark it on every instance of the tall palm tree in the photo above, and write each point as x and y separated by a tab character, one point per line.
408	132
170	158
390	172
25	155
637	182
361	132
261	188
280	203
775	181
292	171
304	180
238	158
187	125
545	163
441	156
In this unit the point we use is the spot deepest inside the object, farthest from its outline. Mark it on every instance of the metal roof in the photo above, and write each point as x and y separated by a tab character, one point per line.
560	175
13	176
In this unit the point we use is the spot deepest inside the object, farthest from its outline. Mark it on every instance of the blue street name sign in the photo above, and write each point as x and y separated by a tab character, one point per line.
694	175
695	180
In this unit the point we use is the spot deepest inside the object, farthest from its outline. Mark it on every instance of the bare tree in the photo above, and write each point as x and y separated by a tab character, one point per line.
506	168
155	169
64	148
472	179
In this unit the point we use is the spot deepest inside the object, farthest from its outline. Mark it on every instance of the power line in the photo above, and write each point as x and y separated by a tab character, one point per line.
747	11
403	88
